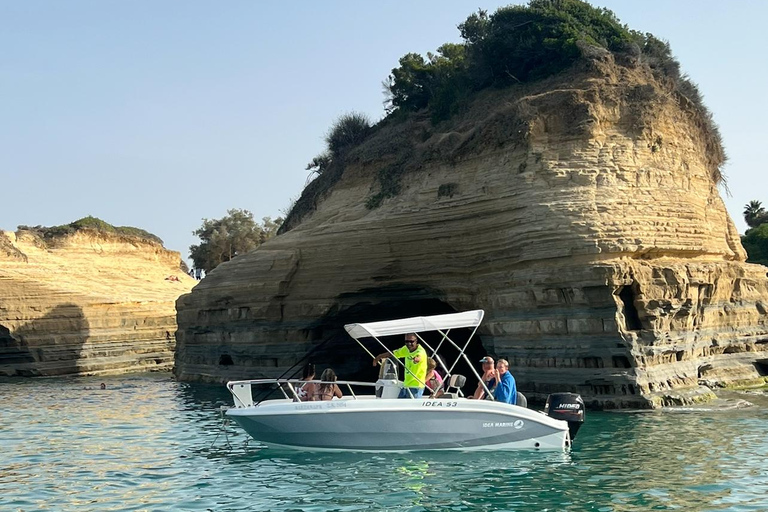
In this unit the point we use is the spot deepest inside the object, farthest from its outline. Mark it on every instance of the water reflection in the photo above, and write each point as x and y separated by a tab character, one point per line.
149	443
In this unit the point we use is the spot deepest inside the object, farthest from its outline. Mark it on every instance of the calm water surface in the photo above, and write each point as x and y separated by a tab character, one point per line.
149	443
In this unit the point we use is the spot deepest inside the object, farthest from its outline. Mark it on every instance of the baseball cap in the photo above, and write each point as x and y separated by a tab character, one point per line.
487	359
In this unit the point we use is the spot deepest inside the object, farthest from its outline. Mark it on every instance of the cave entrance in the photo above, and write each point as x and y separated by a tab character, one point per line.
336	349
631	316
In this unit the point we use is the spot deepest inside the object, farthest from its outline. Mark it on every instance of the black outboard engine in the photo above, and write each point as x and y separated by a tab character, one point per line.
567	407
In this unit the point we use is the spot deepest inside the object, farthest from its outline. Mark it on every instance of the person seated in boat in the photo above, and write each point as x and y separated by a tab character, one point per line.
433	380
488	377
327	389
308	373
506	389
415	366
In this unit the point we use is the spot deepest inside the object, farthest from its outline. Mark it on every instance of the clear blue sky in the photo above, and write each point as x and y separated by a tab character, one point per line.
158	114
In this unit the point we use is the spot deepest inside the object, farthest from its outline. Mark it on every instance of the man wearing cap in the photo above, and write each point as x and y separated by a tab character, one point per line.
489	377
415	366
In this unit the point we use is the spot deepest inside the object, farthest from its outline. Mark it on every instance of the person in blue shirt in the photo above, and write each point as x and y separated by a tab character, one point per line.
506	390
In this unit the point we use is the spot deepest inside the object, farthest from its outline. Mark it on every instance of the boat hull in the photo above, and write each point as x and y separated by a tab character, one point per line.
400	425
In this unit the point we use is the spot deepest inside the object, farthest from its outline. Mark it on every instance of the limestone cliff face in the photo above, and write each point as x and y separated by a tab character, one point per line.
582	213
89	304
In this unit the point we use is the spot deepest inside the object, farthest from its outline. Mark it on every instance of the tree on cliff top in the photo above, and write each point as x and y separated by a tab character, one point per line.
755	214
233	235
525	43
755	240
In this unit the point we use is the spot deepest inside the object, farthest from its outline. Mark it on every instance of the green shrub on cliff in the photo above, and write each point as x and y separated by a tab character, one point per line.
515	44
93	224
233	235
755	242
347	132
518	44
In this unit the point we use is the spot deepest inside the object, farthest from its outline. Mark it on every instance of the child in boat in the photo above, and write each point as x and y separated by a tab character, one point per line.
433	380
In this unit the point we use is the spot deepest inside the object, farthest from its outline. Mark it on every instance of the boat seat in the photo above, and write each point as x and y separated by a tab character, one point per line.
454	383
521	400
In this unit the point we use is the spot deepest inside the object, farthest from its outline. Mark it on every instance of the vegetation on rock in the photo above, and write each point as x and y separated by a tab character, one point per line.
93	225
755	240
522	44
347	132
514	46
233	235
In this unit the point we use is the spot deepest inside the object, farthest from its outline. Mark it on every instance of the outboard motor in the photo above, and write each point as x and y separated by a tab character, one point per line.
567	407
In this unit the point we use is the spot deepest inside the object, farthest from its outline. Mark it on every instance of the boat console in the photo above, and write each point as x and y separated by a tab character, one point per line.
387	386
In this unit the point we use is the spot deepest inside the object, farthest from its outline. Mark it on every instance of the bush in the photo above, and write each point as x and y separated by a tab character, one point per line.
519	44
93	224
320	163
755	242
347	132
515	44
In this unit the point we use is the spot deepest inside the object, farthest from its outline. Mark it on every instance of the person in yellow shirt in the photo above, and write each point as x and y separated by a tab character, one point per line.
415	366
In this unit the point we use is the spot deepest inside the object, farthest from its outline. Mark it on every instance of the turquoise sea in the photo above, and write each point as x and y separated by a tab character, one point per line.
149	443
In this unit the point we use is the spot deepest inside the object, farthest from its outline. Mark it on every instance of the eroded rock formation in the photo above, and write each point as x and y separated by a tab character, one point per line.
582	213
86	304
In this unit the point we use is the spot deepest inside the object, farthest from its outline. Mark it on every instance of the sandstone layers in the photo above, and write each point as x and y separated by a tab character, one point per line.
88	304
581	213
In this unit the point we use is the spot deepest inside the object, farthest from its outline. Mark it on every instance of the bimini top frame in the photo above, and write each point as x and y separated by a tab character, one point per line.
418	324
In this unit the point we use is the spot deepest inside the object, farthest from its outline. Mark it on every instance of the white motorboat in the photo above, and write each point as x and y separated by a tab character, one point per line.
379	421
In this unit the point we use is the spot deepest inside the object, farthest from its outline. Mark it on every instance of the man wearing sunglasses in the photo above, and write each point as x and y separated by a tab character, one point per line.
415	366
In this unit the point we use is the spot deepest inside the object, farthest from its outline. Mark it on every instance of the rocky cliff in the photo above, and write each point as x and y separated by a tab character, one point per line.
86	303
582	213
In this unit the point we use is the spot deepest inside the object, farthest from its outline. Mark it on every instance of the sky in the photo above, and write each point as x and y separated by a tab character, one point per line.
160	114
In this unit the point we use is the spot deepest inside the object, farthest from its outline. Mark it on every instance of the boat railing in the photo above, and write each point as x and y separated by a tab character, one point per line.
242	390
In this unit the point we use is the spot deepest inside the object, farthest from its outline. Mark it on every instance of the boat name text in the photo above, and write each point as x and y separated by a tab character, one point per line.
321	405
438	403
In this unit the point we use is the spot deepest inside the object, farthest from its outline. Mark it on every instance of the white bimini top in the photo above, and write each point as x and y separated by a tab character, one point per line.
416	324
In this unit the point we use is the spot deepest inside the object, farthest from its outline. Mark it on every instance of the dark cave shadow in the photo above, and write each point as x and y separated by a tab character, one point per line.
46	346
350	362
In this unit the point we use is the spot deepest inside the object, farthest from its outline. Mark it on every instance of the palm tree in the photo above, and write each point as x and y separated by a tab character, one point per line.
754	214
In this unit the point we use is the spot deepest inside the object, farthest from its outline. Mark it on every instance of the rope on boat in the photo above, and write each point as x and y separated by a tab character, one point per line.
223	428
